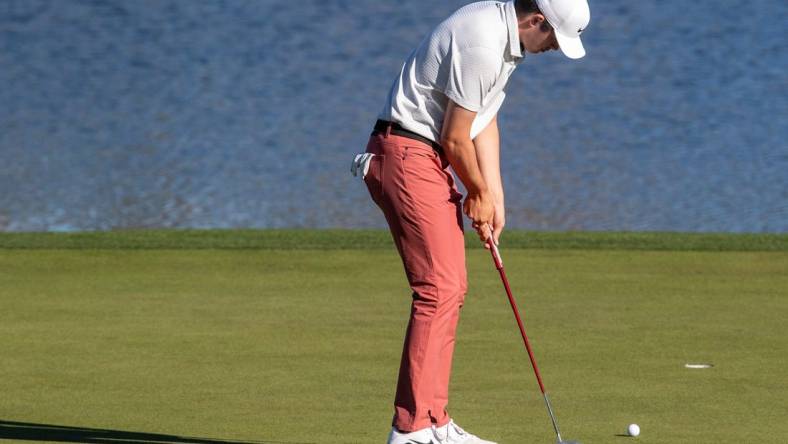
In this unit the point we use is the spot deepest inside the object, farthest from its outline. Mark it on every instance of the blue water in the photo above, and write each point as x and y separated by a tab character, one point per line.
223	114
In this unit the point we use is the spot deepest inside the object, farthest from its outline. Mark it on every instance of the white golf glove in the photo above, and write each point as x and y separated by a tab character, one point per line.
361	163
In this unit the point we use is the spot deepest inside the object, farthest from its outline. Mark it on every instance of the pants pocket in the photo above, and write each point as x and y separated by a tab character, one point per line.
374	178
426	179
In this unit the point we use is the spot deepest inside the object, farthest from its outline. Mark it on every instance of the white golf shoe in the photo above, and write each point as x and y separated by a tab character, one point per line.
451	433
423	436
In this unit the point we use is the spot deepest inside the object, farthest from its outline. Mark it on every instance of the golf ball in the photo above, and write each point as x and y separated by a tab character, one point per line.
633	430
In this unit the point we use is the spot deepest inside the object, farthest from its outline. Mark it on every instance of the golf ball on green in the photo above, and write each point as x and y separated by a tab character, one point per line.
633	430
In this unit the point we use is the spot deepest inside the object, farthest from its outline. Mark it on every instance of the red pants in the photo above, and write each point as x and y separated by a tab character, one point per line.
413	186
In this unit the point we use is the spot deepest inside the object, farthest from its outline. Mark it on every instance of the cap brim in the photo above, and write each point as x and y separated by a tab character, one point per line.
572	47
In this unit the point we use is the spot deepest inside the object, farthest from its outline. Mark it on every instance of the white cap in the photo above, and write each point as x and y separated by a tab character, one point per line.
568	18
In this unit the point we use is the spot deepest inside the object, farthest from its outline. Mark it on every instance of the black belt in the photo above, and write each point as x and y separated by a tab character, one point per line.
398	130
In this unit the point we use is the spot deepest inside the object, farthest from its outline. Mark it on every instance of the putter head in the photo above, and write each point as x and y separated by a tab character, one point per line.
568	442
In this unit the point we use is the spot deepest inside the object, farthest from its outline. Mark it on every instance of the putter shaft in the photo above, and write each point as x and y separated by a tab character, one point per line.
499	265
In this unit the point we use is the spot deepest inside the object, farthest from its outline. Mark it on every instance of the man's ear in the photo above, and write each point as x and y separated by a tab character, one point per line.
537	19
533	20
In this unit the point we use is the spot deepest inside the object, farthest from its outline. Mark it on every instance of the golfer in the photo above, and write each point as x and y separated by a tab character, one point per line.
441	112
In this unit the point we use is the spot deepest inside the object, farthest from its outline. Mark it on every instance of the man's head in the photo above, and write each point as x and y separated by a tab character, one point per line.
546	25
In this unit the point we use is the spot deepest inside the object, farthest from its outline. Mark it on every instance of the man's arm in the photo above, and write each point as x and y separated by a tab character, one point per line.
488	156
461	152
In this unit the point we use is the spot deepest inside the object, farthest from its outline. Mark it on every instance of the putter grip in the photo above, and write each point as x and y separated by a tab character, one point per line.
495	254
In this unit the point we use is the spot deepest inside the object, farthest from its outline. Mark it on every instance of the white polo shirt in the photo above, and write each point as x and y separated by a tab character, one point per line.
468	58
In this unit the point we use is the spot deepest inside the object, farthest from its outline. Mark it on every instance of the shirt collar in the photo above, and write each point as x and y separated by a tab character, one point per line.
514	38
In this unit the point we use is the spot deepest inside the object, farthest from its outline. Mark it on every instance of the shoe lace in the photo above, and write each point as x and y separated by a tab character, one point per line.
459	433
457	428
440	439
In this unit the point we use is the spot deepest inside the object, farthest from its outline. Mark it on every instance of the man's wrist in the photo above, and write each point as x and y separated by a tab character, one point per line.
481	191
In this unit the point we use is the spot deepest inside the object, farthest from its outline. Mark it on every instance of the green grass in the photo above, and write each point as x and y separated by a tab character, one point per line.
236	337
381	239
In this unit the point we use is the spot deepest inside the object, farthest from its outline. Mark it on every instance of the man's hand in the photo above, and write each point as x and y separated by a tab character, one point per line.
480	209
494	229
499	220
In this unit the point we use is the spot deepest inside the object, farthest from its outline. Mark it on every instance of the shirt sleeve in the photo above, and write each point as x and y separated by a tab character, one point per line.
472	74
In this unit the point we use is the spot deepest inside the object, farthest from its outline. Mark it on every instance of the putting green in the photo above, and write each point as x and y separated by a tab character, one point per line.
302	346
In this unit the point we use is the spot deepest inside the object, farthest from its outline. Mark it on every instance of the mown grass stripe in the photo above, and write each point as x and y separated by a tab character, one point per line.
301	239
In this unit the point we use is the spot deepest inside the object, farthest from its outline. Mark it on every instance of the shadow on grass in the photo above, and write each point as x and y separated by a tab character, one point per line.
46	432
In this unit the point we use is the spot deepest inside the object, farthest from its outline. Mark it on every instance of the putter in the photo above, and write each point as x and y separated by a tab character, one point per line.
499	265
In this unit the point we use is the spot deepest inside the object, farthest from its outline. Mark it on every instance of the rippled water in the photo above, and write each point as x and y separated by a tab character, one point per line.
180	113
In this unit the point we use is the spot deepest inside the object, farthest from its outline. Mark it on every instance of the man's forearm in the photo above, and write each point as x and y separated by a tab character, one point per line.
460	150
461	154
487	145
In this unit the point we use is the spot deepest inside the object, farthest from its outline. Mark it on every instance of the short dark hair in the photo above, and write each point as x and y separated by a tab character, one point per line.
524	7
